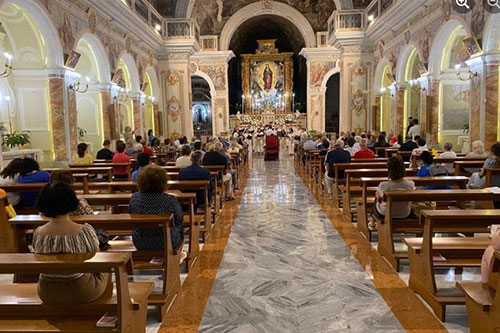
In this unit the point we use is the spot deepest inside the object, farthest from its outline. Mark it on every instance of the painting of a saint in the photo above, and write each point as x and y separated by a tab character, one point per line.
268	78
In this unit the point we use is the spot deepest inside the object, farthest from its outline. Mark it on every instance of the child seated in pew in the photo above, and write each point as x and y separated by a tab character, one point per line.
432	169
30	173
65	176
488	254
152	200
400	210
477	180
83	157
143	161
10	175
61	235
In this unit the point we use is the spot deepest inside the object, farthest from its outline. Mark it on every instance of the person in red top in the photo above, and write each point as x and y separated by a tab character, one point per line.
120	157
365	152
147	150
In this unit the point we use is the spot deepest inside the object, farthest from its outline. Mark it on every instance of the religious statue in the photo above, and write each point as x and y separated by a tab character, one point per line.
268	78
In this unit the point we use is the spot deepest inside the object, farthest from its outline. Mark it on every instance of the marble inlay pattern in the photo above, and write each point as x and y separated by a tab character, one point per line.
434	111
491	104
400	110
57	118
286	268
106	118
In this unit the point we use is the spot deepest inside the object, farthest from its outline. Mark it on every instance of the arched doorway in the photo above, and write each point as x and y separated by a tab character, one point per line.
201	107
151	103
92	72
332	111
127	79
28	35
413	90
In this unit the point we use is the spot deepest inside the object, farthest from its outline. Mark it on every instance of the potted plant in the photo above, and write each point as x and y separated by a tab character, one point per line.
82	132
16	139
466	129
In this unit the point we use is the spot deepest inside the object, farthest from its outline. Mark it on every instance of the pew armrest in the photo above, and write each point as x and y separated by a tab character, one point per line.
479	293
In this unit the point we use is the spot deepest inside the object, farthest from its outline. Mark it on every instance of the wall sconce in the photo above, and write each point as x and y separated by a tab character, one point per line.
383	90
122	96
8	65
78	87
469	74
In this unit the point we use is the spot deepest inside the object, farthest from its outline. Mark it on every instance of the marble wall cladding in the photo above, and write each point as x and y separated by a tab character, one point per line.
73	124
475	105
157	120
286	268
400	109
423	113
433	111
137	115
57	118
106	116
376	109
491	72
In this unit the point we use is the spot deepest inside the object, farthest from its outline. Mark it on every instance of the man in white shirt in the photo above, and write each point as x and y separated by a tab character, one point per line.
415	129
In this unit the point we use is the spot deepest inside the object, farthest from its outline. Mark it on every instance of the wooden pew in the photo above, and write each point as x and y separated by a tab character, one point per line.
460	166
107	171
123	222
190	222
483	300
369	187
351	189
23	311
492	177
128	166
389	226
458	251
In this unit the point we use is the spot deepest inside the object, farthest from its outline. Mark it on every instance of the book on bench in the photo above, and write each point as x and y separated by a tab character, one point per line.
108	320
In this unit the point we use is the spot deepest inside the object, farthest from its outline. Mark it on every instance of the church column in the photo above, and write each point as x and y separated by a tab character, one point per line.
492	98
138	110
433	110
157	119
477	95
376	113
56	87
107	112
423	116
400	108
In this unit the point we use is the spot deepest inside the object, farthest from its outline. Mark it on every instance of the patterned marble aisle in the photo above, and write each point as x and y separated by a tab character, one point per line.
286	269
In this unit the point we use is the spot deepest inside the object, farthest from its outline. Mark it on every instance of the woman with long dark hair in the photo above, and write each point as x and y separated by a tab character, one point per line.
83	157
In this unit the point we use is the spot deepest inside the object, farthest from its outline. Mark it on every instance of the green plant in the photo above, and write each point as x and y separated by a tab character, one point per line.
466	128
238	108
298	106
82	132
313	132
16	138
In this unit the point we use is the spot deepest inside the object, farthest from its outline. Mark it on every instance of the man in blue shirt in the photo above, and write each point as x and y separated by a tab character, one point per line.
425	171
142	161
196	172
337	155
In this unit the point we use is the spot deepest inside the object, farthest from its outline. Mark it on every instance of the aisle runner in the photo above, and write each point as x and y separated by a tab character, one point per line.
286	269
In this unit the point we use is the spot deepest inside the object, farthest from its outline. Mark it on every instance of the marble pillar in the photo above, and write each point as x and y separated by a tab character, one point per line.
57	118
475	109
433	112
136	102
72	123
157	120
491	73
376	112
106	114
400	109
424	118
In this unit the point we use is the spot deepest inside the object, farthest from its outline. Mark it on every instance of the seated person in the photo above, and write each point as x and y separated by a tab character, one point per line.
326	146
145	148
61	235
216	157
105	153
477	180
350	146
65	176
10	175
432	169
400	210
196	172
409	145
120	172
30	173
152	200
83	157
129	149
477	150
448	153
364	152
337	155
143	161
422	146
381	142
184	160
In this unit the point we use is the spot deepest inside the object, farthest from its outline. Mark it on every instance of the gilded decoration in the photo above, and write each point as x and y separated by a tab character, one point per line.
217	74
174	107
267	78
358	103
173	77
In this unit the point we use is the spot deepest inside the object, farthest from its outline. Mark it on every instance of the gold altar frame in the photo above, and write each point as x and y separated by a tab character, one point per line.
247	59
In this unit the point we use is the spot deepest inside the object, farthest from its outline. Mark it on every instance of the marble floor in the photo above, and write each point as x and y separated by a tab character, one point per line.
286	268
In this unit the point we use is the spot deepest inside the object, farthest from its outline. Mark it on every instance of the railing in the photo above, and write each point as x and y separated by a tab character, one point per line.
210	43
148	13
322	38
182	29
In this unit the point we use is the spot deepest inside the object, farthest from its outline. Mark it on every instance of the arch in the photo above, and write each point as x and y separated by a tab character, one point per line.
213	91
97	48
439	43
403	58
135	82
327	76
379	73
491	39
257	9
42	20
155	84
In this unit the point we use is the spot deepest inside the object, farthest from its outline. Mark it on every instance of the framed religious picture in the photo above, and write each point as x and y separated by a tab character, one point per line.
118	78
391	78
472	45
421	68
72	59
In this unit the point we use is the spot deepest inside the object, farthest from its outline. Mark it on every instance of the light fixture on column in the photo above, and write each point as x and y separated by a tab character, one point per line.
469	74
78	87
8	65
123	96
